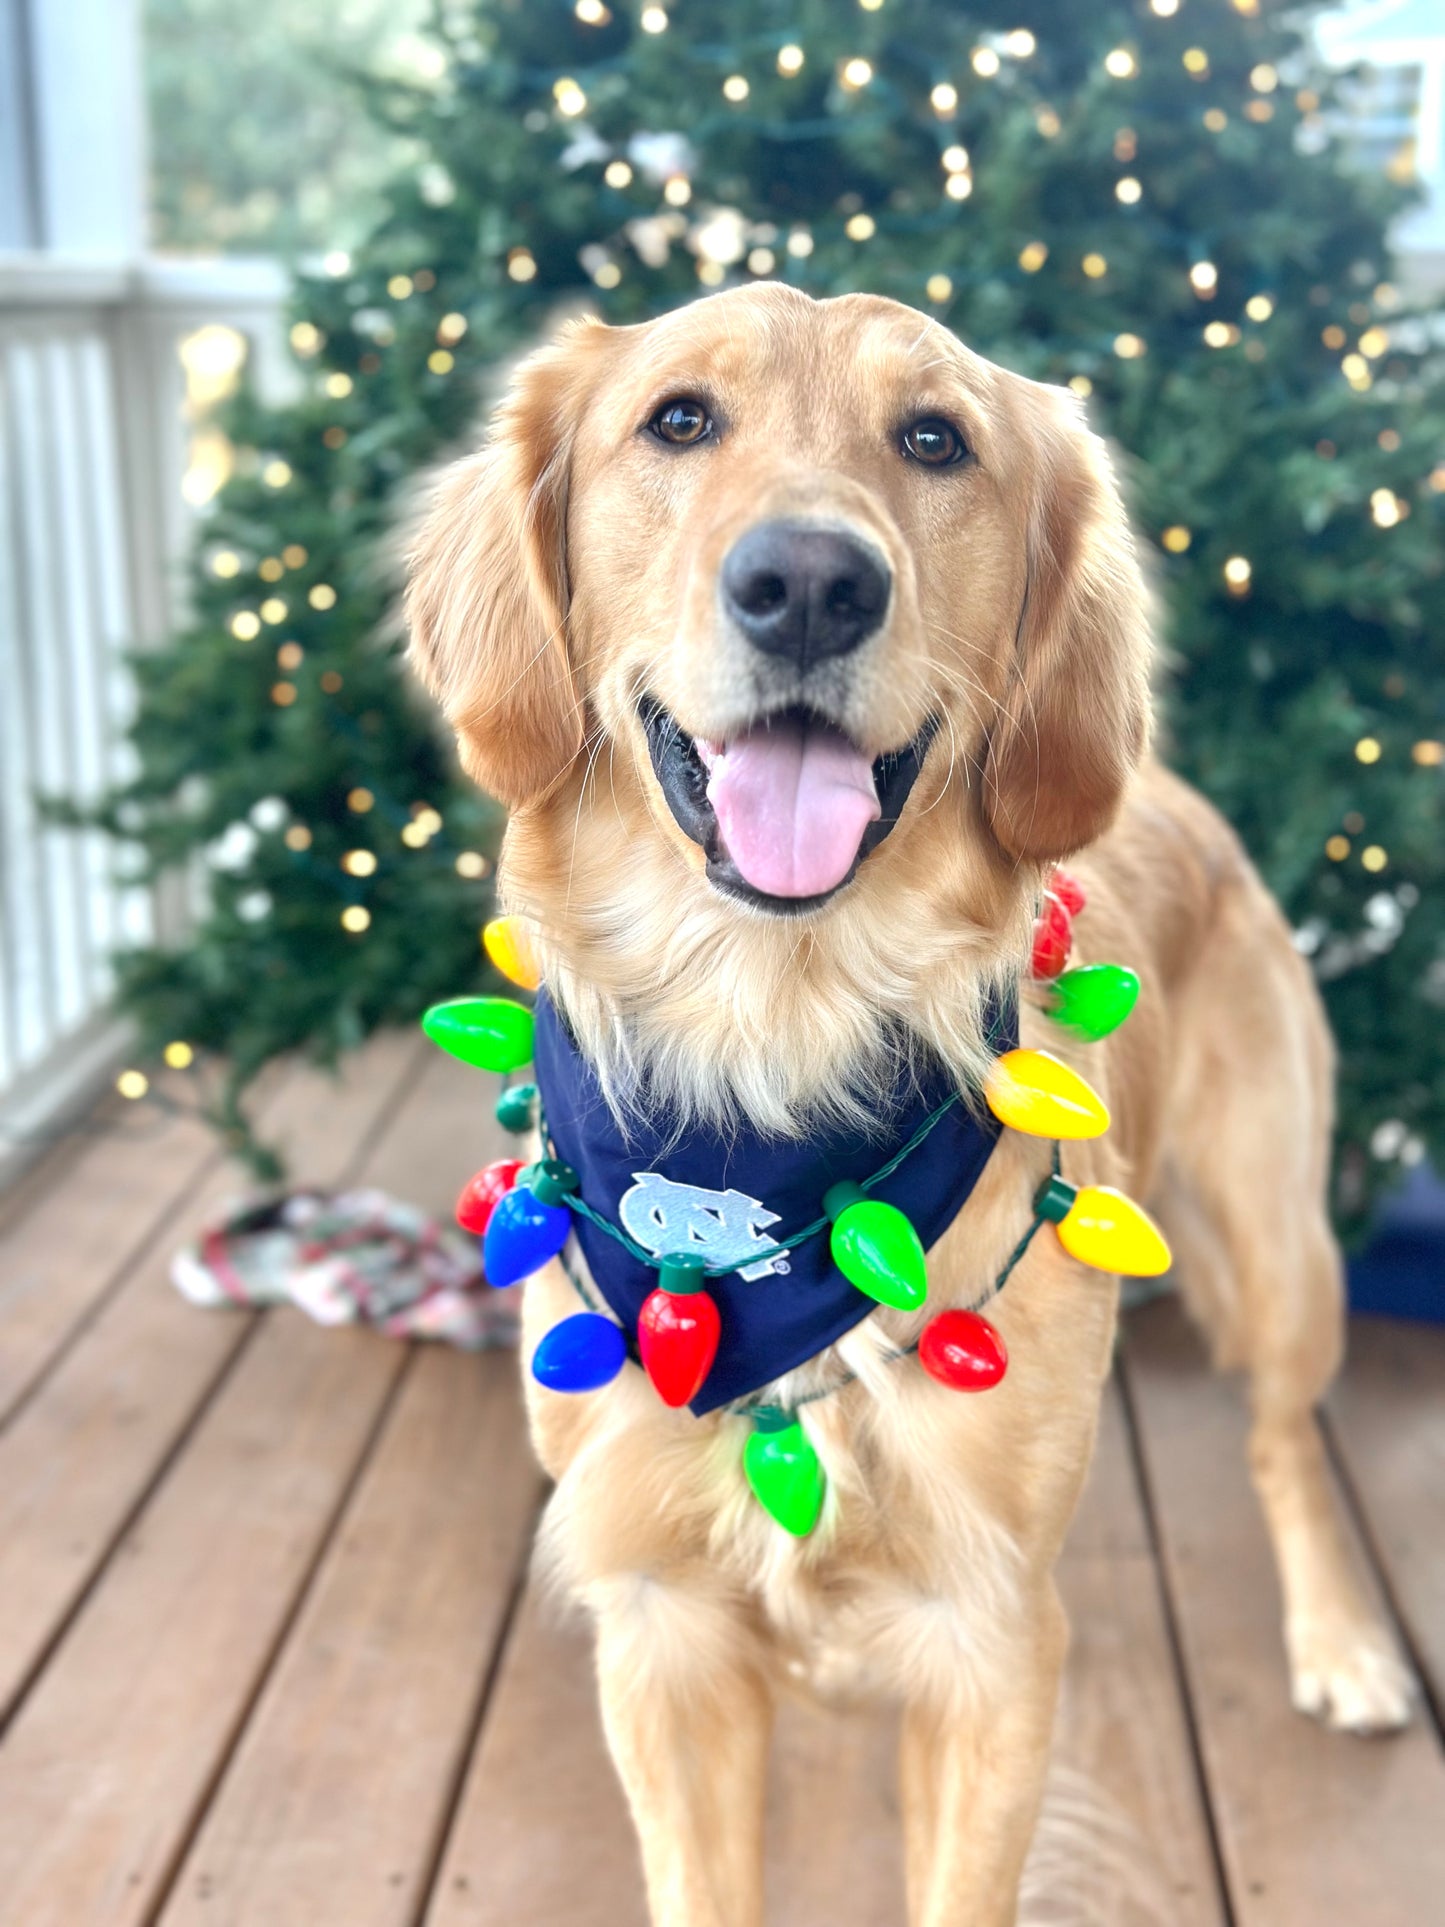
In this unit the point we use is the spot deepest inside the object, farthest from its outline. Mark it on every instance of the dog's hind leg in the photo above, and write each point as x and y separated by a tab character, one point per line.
1249	1146
688	1723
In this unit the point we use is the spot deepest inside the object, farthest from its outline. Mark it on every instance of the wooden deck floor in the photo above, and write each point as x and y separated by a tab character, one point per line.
268	1653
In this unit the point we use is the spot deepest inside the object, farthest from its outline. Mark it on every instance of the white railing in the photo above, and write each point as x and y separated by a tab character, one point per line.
98	445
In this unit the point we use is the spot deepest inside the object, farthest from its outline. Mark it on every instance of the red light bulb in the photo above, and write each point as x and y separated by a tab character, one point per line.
1053	938
963	1351
678	1330
483	1193
1064	885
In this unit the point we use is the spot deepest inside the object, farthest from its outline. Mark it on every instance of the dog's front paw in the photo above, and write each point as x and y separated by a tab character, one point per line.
1348	1674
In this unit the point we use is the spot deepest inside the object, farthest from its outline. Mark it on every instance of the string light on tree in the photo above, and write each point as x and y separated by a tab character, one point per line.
1387	509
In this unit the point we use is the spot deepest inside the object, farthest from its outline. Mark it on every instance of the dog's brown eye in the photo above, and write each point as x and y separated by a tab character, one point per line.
934	442
681	422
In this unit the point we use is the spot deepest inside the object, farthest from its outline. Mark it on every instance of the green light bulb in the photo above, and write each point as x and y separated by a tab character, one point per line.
876	1248
494	1033
517	1108
783	1470
1093	1000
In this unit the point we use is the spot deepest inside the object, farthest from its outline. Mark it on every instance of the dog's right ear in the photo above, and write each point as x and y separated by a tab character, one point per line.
487	589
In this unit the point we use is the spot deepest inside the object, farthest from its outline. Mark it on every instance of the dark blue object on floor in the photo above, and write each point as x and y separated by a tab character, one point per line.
1401	1271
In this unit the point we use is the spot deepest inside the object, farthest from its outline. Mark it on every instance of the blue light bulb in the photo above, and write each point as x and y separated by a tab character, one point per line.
582	1353
530	1225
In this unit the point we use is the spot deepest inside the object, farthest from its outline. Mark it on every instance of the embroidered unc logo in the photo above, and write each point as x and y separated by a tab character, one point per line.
723	1227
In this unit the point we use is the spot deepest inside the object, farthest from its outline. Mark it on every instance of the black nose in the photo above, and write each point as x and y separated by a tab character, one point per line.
804	592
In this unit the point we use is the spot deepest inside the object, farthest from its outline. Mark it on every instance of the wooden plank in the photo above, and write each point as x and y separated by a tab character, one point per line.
334	1804
1313	1826
83	1452
109	1763
104	1768
542	1831
1385	1415
60	1256
1124	1833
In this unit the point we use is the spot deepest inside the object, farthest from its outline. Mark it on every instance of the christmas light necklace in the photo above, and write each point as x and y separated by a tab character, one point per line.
525	1213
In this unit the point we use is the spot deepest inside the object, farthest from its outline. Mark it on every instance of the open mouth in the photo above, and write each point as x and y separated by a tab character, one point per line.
787	810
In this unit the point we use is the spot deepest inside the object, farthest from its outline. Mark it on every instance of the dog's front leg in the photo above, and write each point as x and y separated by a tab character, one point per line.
688	1721
972	1771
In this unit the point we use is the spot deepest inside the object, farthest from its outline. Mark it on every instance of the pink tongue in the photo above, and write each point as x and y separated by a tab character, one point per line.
792	802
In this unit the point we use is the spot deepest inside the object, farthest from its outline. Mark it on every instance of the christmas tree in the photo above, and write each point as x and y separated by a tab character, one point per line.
1151	203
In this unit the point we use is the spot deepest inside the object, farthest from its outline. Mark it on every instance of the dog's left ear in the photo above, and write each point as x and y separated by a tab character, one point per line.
1075	714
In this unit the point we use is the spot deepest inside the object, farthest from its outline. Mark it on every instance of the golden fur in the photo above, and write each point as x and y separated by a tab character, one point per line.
571	566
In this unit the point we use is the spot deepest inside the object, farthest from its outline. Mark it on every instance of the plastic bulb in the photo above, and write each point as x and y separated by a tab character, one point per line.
494	1033
1101	1227
1033	1092
783	1471
1064	885
963	1351
508	942
678	1329
1094	1000
530	1225
483	1193
876	1248
1053	940
580	1354
517	1110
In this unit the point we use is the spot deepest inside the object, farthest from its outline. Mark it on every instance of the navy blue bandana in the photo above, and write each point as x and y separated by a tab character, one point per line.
731	1196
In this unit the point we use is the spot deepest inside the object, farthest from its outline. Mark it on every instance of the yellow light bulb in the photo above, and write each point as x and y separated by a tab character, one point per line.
1105	1229
508	943
1034	1092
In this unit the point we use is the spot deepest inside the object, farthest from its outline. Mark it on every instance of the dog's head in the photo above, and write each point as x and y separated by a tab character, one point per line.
792	606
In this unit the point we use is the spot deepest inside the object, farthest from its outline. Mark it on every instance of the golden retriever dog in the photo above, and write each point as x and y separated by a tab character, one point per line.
794	541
